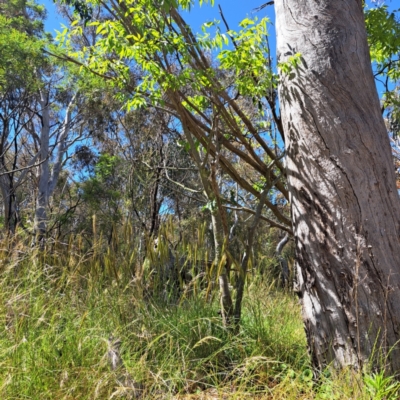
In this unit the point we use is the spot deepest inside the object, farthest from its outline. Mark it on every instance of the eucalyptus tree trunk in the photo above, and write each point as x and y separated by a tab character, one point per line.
282	261
48	178
9	202
43	169
345	206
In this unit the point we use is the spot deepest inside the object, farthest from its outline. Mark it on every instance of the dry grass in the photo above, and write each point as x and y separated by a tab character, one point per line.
59	307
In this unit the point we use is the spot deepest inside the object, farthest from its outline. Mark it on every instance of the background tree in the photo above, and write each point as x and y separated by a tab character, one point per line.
21	54
37	113
206	99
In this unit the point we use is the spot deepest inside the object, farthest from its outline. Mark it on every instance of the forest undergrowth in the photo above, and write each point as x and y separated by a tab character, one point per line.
79	322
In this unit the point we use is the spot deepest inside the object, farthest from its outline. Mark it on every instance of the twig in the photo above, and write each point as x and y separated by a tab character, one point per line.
269	3
270	221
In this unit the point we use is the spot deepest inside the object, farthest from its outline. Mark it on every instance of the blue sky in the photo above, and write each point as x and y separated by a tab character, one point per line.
234	12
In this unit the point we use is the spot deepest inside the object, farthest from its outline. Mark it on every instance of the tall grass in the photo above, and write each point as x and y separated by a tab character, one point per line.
59	308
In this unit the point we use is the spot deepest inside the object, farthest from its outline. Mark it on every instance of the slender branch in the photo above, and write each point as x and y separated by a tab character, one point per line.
270	221
181	185
269	3
23	168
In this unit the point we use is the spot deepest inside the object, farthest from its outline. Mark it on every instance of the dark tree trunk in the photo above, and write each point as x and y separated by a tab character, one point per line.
346	209
10	206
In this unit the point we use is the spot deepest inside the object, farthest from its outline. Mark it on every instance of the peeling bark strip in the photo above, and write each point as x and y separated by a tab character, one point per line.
346	211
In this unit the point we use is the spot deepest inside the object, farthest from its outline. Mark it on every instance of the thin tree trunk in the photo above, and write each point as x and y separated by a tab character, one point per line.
44	170
218	222
226	298
246	258
282	261
48	180
62	146
9	201
345	206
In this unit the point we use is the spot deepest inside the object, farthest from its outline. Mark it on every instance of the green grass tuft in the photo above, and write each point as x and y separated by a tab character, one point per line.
59	309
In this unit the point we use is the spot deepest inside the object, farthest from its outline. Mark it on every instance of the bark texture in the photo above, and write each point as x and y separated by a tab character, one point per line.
345	206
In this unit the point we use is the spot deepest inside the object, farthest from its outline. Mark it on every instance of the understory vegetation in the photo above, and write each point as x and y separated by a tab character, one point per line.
81	322
156	184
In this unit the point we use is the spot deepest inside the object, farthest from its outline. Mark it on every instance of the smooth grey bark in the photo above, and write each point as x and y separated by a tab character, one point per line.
44	168
282	260
62	146
345	206
48	178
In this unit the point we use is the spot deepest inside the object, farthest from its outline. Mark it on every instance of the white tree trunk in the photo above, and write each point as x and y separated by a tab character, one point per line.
62	146
345	206
48	179
44	169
